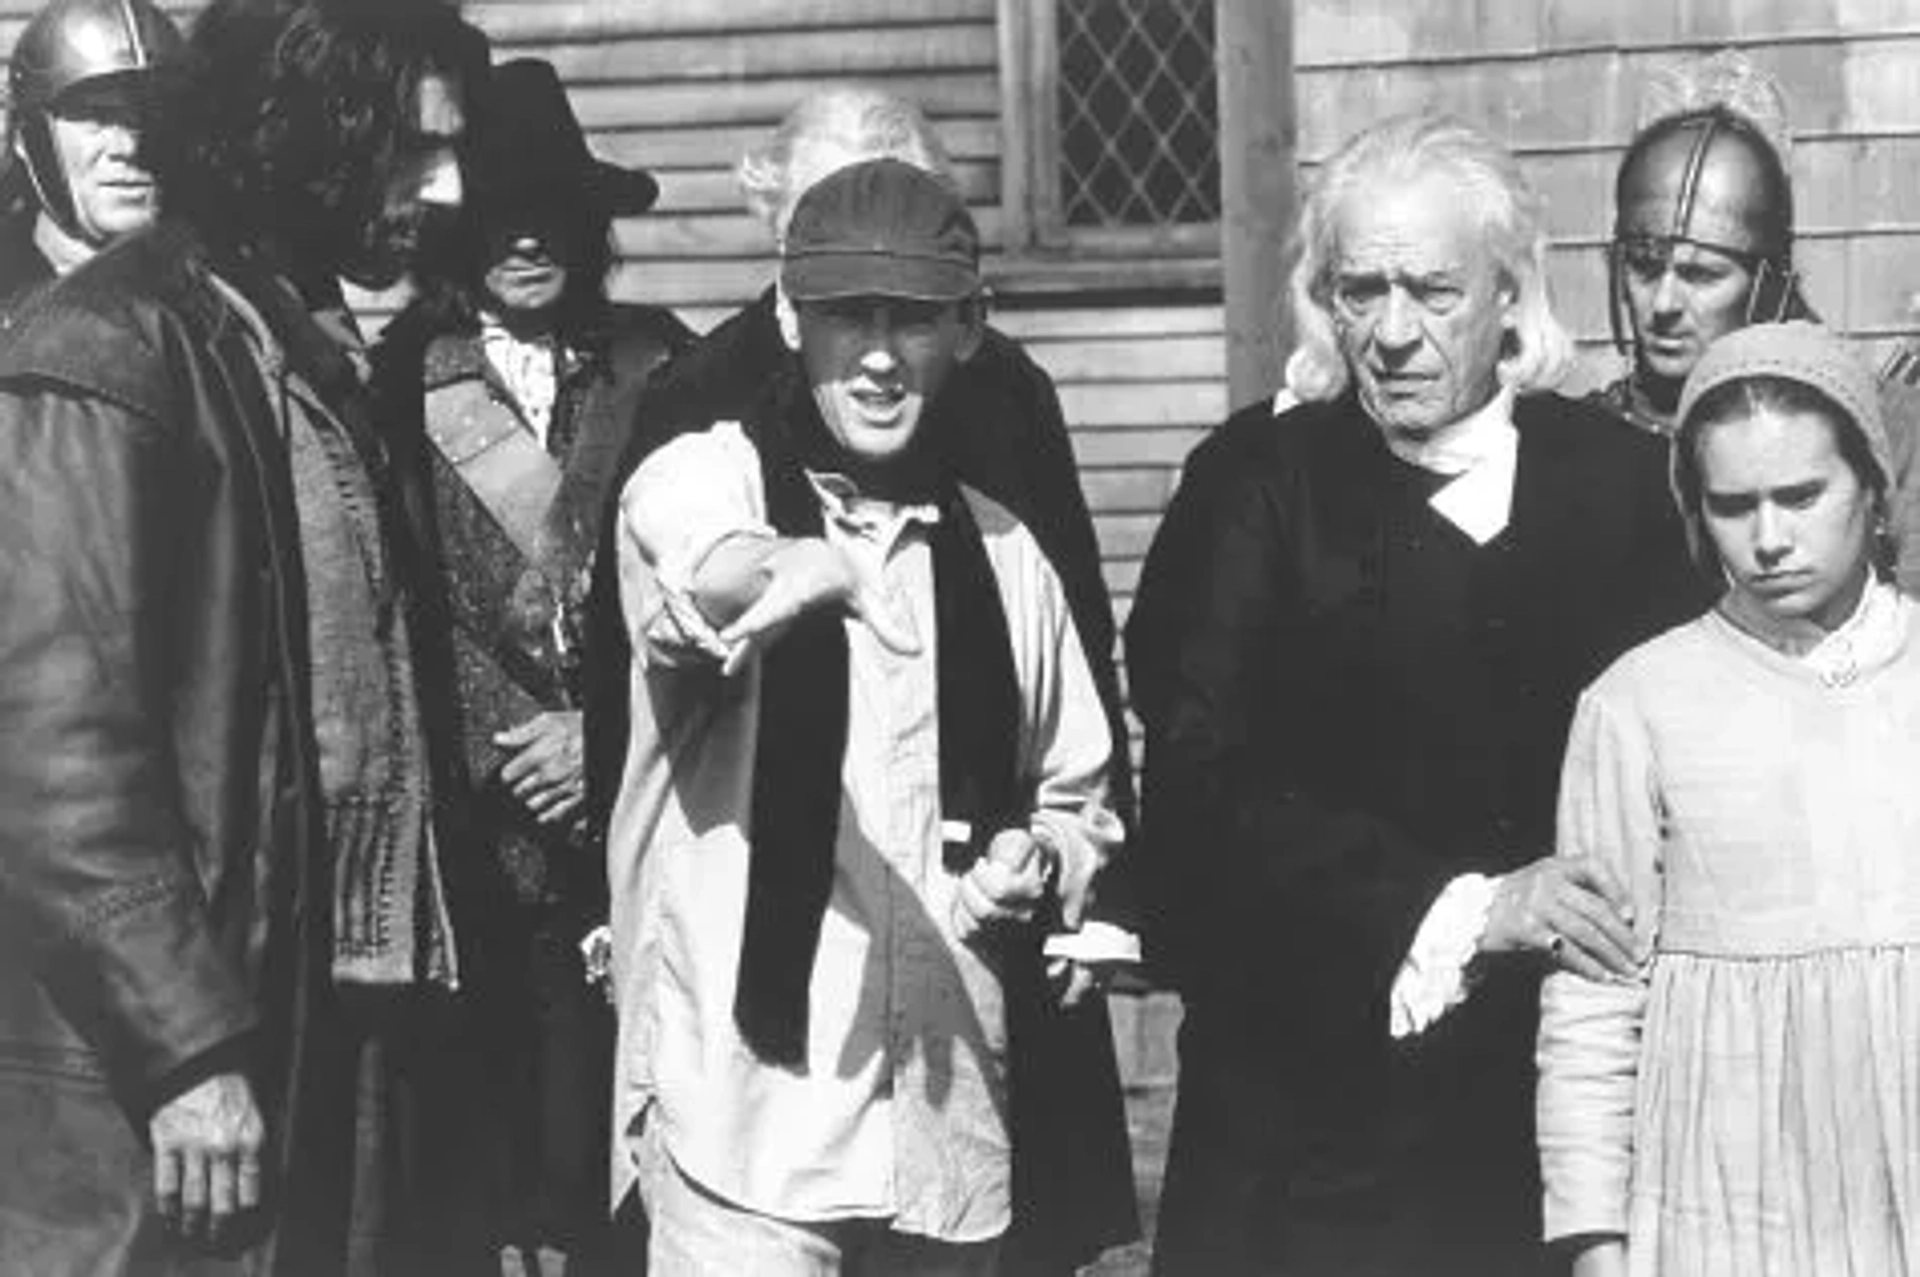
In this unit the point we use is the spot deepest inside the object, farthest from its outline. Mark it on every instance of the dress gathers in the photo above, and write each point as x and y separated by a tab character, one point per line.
1753	1106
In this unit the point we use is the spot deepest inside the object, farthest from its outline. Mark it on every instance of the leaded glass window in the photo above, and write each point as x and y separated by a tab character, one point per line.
1138	115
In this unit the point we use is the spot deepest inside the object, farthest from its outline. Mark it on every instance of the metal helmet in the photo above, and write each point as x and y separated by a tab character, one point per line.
1708	177
70	47
70	42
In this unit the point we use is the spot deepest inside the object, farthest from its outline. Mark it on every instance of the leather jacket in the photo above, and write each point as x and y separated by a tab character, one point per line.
23	267
162	900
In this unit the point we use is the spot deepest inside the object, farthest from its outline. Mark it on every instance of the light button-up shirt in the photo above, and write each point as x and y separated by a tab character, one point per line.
900	1111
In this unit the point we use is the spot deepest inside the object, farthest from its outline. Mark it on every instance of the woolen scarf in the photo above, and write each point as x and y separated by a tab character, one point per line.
804	689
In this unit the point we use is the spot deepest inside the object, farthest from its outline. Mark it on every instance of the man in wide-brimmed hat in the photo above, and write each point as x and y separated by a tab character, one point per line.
508	387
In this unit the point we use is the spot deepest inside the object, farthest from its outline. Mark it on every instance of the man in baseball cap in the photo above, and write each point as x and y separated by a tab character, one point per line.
866	783
879	276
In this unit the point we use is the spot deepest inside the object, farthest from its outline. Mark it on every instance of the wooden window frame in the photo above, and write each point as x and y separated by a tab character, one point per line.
1042	251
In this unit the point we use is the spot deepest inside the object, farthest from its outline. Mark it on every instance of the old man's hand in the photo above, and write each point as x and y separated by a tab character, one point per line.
207	1146
1573	910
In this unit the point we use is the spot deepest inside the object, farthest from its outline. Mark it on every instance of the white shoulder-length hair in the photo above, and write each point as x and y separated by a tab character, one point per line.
838	125
1491	188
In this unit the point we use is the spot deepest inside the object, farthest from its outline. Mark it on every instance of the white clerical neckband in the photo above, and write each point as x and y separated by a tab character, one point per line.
1482	452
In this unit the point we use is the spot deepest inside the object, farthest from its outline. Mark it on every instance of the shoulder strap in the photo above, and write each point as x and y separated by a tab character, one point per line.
606	414
498	459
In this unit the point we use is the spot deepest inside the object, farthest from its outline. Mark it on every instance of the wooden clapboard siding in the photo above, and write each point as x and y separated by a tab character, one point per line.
1560	80
687	86
1140	384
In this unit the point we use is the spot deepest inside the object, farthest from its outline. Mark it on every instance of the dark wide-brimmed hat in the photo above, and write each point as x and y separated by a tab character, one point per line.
526	148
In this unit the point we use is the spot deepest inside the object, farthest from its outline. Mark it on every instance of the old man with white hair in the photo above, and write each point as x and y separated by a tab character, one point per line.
1356	649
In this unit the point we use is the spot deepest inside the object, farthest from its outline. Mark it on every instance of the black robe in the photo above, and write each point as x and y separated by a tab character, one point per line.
1348	703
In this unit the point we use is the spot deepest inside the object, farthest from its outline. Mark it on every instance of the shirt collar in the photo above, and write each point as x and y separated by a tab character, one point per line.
875	518
1481	451
495	335
1865	640
530	368
1479	437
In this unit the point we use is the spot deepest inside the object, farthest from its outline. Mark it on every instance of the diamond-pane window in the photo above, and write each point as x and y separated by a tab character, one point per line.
1138	110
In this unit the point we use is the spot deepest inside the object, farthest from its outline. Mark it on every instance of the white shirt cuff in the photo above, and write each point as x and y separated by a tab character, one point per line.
1095	942
1433	978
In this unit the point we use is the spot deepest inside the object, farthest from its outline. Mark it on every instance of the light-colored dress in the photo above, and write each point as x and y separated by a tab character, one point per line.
1752	1106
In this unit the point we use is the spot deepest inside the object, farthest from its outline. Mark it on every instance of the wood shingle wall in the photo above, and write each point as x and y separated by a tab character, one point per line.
1140	385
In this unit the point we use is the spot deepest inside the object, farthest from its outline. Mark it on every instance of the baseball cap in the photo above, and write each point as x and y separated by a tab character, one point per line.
880	228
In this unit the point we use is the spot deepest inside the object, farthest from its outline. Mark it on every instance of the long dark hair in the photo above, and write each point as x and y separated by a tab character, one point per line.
285	117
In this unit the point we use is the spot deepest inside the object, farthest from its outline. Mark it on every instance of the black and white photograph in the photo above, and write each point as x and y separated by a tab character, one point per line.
959	638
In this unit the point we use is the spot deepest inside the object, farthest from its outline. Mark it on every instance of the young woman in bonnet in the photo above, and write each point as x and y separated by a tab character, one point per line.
1750	1104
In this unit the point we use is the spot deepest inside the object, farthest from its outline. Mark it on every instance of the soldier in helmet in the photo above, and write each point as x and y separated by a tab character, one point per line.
1702	245
77	86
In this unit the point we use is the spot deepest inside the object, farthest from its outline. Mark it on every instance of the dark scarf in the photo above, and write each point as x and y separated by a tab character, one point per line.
803	721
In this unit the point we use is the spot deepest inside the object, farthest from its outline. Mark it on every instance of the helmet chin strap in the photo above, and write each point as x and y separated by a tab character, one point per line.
49	179
1774	292
63	250
1619	314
